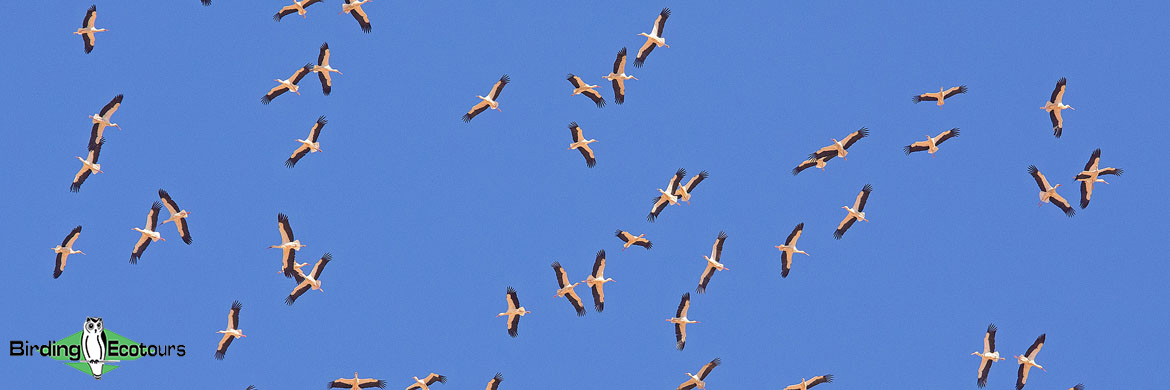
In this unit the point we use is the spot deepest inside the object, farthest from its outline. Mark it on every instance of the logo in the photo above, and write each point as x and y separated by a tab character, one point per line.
93	349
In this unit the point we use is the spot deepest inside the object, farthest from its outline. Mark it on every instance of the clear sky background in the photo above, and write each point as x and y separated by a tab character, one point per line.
429	219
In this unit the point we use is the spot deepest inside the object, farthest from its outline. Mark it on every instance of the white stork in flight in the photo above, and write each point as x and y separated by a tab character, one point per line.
788	249
1048	192
102	119
309	144
988	356
566	289
288	245
297	7
310	281
667	196
178	216
618	77
323	69
64	250
597	281
713	263
582	144
811	162
514	312
354	7
1027	361
683	192
422	384
857	212
931	143
697	381
580	87
941	96
87	30
489	101
1091	175
653	39
88	165
494	384
1054	105
630	239
680	321
148	234
808	384
839	148
287	85
356	383
232	332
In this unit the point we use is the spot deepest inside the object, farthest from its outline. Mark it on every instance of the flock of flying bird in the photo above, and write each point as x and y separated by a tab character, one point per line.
674	193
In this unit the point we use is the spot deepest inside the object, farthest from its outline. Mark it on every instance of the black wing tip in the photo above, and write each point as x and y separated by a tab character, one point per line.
92	7
325	46
163	193
556	265
265	99
188	240
1078	386
638	62
601	253
799	226
134	258
916	99
74	187
236	305
290	163
991	327
686	296
681	172
716	362
722	235
599	306
622	52
328	256
649	217
281	217
590	164
962	89
838	234
981	382
442	379
600	102
580	311
289	300
1070	212
1032	169
864	131
321	120
665	12
867	188
498	378
570	76
466	118
505	79
701	289
680	345
573	125
618	233
77	229
1062	81
156	206
511	290
513	332
219	355
367	28
1041	338
906	149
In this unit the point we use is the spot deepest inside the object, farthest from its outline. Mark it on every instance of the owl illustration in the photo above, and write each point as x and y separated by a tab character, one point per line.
93	345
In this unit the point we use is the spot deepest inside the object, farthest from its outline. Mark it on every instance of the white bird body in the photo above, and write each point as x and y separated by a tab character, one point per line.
350	6
153	235
233	332
669	197
97	119
294	245
567	289
714	263
66	250
584	87
581	143
314	147
92	166
859	214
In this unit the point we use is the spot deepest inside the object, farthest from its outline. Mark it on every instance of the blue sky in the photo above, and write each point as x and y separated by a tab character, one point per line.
429	219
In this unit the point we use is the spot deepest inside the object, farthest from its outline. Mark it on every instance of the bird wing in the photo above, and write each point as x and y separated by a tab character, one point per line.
688	385
619	65
1058	92
315	131
1022	376
288	259
320	266
706	278
573	79
273	93
599	264
475	110
717	248
1094	159
660	22
575	132
152	216
642	242
71	237
644	52
110	107
795	235
1063	204
79	179
297	291
619	90
300	73
234	315
952	133
513	300
844	226
323	55
984	369
576	302
785	264
675	180
95	134
494	384
954	91
363	20
223	345
1040	180
989	339
680	336
1035	348
587	152
433	377
683	306
1086	192
826	153
819	379
297	154
96	152
1111	171
596	97
413	386
59	267
854	136
598	297
88	40
499	87
926	97
660	204
184	232
172	207
706	370
624	236
90	17
310	2
1057	122
341	383
862	197
326	82
284	11
513	325
694	182
286	233
562	277
804	165
139	248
